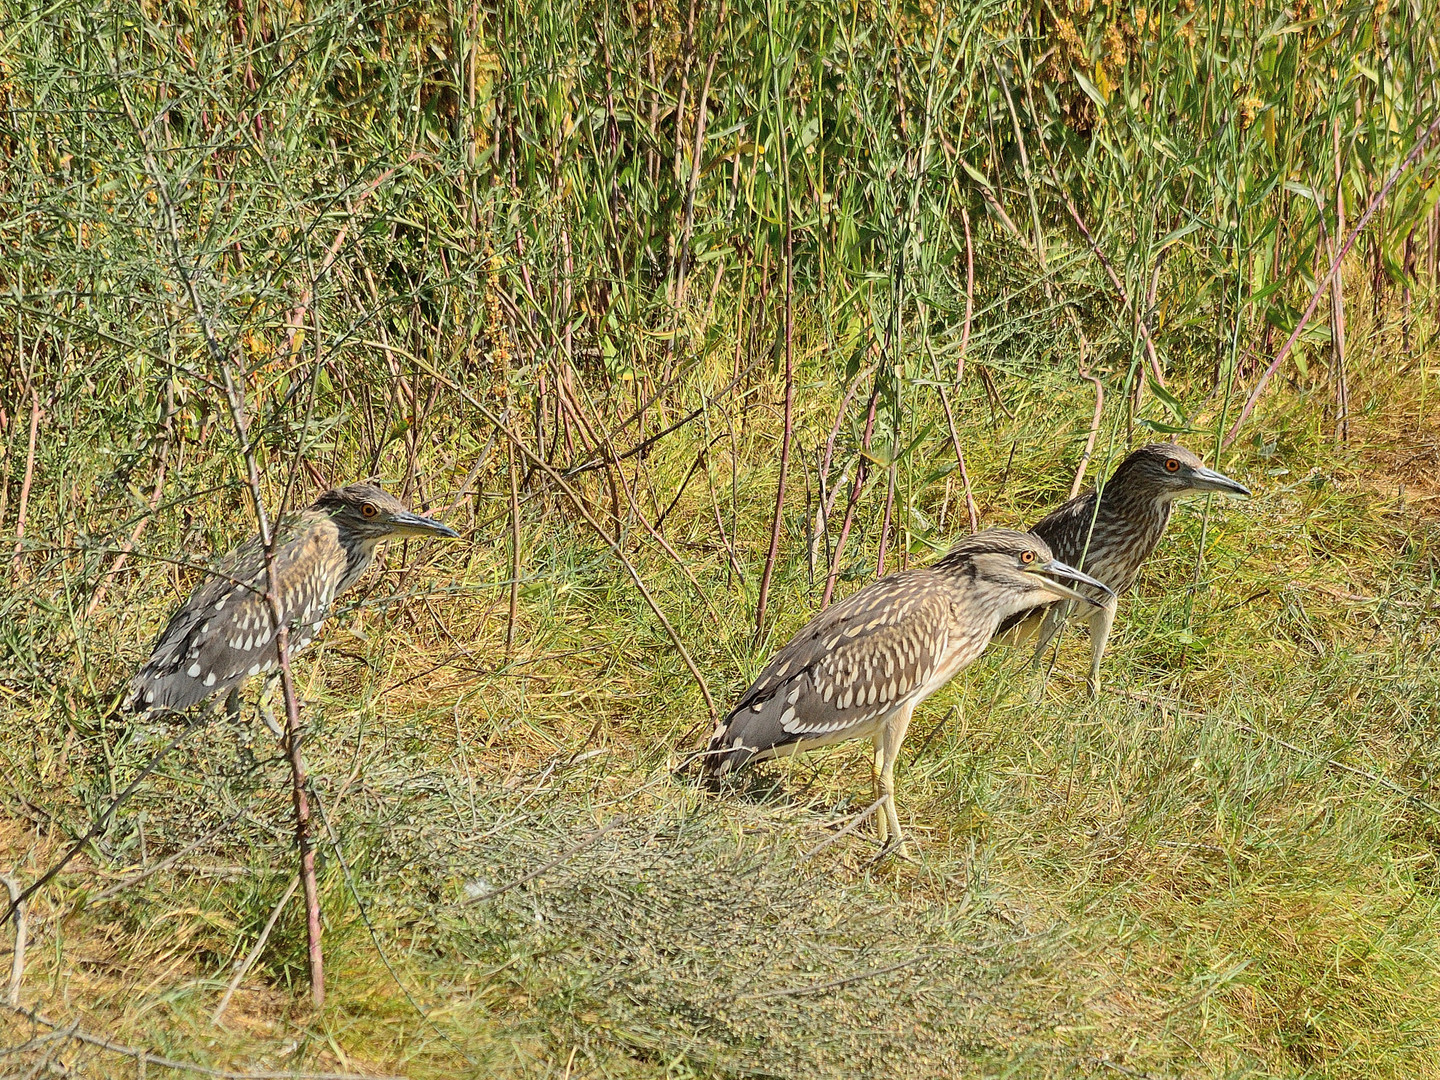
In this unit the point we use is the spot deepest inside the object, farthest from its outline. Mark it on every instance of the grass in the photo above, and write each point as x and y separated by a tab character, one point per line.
395	216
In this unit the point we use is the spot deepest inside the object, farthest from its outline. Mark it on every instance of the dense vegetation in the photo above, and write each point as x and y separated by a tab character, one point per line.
690	316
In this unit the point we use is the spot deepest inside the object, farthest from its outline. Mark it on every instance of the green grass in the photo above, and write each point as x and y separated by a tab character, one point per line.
1224	866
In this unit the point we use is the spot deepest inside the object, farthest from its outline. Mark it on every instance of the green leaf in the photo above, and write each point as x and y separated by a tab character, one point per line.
976	175
1091	90
1169	400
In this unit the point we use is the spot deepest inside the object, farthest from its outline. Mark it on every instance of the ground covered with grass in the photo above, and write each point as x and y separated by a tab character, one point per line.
684	315
1224	865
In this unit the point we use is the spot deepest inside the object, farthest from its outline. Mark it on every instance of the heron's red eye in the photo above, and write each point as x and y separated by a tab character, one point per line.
368	511
1027	557
1171	465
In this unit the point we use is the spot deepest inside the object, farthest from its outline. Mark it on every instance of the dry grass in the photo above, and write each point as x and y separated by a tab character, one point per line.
1154	880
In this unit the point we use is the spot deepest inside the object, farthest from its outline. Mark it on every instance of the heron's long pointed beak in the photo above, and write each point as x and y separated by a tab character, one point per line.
1203	479
409	524
1055	568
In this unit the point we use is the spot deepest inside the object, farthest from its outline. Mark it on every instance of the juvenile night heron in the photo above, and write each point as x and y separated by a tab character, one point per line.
225	633
859	668
1111	532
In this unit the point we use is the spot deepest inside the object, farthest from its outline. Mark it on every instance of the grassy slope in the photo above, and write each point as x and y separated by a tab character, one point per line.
1208	871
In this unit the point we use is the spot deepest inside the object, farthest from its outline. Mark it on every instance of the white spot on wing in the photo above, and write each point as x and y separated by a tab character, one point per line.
193	670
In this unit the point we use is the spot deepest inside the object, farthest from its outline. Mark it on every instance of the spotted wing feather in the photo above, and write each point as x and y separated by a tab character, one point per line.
844	671
224	634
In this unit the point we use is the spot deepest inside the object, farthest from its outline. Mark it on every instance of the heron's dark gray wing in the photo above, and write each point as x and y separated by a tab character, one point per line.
850	665
225	633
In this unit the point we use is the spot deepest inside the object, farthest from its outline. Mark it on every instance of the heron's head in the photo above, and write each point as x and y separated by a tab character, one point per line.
1016	571
372	514
1167	471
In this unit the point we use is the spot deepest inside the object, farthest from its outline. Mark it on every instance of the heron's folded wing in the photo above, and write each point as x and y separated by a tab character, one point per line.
225	632
850	666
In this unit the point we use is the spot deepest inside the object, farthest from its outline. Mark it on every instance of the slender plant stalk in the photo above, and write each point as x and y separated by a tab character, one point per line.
787	433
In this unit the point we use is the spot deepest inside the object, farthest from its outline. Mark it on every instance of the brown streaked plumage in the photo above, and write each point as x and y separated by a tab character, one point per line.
1110	533
225	631
859	668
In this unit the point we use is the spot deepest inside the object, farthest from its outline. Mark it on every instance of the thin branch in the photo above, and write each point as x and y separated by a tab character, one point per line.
23	505
102	823
787	435
129	544
855	489
853	824
80	1035
835	984
17	959
164	864
218	1017
1323	285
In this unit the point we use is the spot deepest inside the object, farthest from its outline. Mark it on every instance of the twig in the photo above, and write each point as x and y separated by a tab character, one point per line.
836	983
79	1035
1124	1070
129	544
701	117
828	494
855	490
969	296
1094	432
1196	714
23	505
235	400
296	317
1351	769
218	1016
102	823
1140	327
17	960
565	856
665	545
777	520
164	864
854	823
1324	283
370	927
679	491
1337	306
885	518
514	615
646	443
960	460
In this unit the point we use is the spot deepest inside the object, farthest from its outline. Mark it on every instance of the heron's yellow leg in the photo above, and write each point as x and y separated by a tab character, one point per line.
890	739
877	770
1102	619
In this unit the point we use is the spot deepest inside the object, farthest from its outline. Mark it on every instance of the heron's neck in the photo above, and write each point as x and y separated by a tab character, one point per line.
359	554
1143	515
